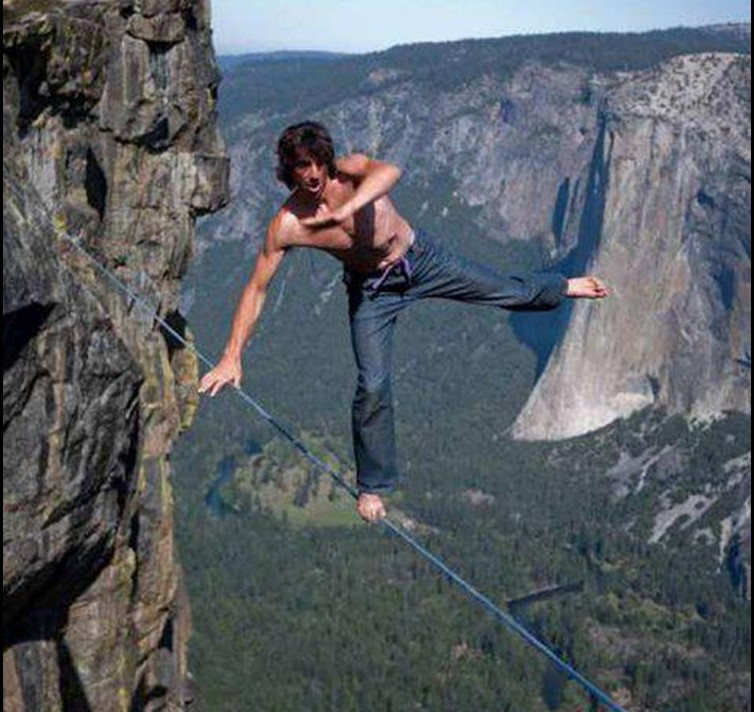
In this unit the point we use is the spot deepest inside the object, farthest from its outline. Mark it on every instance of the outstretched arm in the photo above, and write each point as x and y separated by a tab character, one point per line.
248	310
373	180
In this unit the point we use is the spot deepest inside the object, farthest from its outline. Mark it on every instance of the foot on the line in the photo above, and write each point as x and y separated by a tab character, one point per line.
370	507
587	288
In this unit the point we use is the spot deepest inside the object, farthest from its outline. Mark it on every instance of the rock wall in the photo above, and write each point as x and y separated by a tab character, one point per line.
108	133
672	236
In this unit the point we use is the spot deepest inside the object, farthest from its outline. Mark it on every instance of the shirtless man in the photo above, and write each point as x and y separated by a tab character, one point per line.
342	207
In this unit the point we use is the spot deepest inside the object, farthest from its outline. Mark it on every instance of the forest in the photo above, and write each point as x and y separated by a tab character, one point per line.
298	605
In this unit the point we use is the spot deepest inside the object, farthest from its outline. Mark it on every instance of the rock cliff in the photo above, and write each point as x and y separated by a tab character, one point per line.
670	210
108	132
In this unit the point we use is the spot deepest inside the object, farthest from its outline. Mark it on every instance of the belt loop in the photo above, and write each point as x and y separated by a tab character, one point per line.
417	246
402	264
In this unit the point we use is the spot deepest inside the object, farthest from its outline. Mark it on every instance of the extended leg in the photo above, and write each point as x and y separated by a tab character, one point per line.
439	273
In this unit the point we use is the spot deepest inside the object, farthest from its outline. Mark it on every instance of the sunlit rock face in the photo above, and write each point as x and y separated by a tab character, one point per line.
109	134
671	191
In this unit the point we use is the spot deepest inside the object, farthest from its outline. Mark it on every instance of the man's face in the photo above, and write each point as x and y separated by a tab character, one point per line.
310	175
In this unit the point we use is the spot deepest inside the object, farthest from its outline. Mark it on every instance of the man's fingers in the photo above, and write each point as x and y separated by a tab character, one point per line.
319	221
210	385
216	379
314	222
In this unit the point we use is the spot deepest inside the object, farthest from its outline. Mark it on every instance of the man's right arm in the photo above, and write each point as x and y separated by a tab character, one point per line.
248	310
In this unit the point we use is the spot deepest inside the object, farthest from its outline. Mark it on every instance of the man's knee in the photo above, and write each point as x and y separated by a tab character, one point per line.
372	392
373	383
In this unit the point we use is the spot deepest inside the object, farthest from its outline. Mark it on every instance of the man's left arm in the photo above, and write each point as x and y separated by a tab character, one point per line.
373	180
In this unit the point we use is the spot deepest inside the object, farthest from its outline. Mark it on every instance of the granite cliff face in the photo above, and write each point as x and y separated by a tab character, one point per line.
670	202
108	132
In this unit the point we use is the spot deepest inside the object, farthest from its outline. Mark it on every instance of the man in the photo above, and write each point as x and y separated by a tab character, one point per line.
342	207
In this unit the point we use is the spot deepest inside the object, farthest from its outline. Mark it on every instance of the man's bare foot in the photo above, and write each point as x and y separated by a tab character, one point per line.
370	507
587	288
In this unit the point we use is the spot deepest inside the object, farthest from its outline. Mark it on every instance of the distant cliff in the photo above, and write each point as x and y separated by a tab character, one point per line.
626	155
109	132
666	219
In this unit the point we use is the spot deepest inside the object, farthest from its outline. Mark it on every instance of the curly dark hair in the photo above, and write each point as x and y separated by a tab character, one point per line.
310	139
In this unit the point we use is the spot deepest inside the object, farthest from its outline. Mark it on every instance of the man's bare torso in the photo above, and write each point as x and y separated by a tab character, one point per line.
370	240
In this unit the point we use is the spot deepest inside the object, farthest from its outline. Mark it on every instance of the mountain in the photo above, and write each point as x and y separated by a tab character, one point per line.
230	61
108	133
628	483
667	222
537	135
515	150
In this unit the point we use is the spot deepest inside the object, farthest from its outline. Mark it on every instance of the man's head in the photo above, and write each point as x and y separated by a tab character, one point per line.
306	156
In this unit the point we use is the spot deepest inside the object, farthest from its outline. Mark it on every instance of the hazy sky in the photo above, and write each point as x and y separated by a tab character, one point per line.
363	26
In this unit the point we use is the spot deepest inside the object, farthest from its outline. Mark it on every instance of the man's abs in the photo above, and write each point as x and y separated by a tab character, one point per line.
376	258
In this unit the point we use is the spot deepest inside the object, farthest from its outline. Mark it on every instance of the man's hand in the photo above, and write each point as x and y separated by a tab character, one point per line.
228	371
328	218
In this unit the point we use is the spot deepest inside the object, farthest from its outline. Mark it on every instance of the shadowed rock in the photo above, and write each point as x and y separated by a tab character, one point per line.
109	133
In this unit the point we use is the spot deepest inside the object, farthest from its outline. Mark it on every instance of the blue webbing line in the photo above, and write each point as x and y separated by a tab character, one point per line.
505	618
